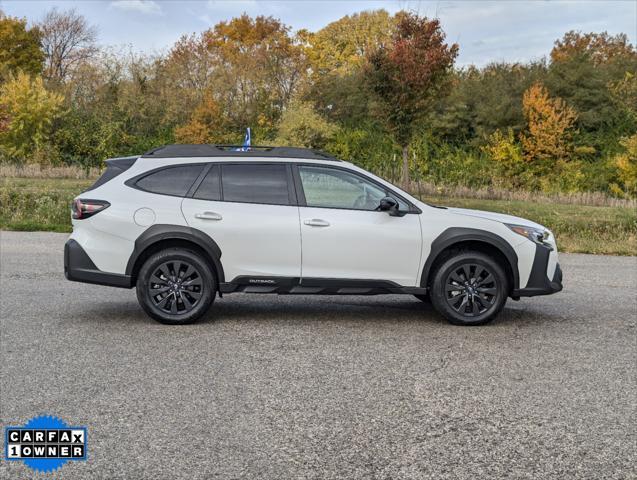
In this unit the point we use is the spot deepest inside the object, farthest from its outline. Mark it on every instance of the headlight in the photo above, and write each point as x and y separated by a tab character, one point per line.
537	235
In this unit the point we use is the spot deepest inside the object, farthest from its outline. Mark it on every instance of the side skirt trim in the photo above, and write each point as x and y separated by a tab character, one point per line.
316	286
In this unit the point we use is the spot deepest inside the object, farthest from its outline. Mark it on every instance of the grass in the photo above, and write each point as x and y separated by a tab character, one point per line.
598	199
37	171
30	204
577	228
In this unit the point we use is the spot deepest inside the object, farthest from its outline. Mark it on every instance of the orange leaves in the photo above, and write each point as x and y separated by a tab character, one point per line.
550	126
239	73
247	32
246	43
206	125
600	47
410	73
419	51
545	157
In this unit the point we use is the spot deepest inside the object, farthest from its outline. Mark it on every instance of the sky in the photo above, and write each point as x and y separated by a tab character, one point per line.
486	30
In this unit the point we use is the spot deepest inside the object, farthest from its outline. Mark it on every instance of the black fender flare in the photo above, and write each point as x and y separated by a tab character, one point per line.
159	232
456	235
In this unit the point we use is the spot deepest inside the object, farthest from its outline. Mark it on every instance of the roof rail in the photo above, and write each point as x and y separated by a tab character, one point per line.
239	151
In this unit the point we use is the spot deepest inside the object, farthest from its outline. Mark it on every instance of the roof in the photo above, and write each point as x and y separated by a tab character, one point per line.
209	150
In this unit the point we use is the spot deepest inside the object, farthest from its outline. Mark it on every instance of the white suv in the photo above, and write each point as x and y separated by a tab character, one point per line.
183	222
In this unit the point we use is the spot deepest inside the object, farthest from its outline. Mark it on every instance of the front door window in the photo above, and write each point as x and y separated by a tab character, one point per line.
334	188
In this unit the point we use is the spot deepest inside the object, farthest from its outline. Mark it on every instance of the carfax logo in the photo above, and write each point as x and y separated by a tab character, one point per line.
45	443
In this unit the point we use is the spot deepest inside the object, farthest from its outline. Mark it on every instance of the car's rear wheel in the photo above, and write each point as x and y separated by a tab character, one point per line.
175	286
469	288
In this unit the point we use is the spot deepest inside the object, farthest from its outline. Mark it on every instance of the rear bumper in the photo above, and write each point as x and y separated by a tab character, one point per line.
78	267
539	283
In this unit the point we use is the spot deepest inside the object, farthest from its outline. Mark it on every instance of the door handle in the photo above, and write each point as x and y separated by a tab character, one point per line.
316	222
208	216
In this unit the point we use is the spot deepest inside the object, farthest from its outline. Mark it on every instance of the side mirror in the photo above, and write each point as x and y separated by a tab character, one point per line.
389	205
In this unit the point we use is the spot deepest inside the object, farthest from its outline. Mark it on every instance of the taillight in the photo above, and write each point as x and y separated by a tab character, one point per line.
83	208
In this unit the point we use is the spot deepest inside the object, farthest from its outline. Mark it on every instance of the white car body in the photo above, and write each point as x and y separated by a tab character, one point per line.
264	242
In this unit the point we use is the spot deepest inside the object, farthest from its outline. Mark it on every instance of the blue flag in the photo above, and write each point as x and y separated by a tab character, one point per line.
247	140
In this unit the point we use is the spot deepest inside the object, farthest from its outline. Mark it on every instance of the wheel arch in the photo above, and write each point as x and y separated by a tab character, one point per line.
458	238
160	237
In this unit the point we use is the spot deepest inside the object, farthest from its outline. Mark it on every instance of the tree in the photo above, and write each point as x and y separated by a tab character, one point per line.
254	71
259	66
192	58
336	55
185	76
582	67
408	76
602	48
624	93
484	100
626	163
207	125
342	46
4	118
31	110
301	126
111	108
20	48
505	151
550	128
68	40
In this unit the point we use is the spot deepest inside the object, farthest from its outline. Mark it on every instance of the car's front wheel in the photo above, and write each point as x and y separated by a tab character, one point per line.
469	288
175	286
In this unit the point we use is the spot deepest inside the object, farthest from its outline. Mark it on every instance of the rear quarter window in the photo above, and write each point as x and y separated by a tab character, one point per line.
210	188
171	180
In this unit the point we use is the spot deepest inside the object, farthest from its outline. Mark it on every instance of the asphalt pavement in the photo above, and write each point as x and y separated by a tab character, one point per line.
295	387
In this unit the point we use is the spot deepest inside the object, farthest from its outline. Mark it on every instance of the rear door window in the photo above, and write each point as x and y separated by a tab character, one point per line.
256	184
170	181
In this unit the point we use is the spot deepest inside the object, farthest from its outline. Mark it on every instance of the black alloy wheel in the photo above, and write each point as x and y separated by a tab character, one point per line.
176	286
469	288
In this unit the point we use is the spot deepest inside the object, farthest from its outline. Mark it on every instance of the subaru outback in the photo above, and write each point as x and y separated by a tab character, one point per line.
185	223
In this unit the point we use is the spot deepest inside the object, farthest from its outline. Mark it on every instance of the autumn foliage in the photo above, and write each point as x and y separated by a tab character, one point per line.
601	47
381	90
246	70
626	162
342	46
206	124
29	111
19	47
550	125
408	75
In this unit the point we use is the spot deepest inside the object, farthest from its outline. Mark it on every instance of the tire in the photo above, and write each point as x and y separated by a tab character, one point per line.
176	286
482	288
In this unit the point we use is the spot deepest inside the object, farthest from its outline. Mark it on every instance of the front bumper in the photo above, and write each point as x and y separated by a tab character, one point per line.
539	283
78	267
